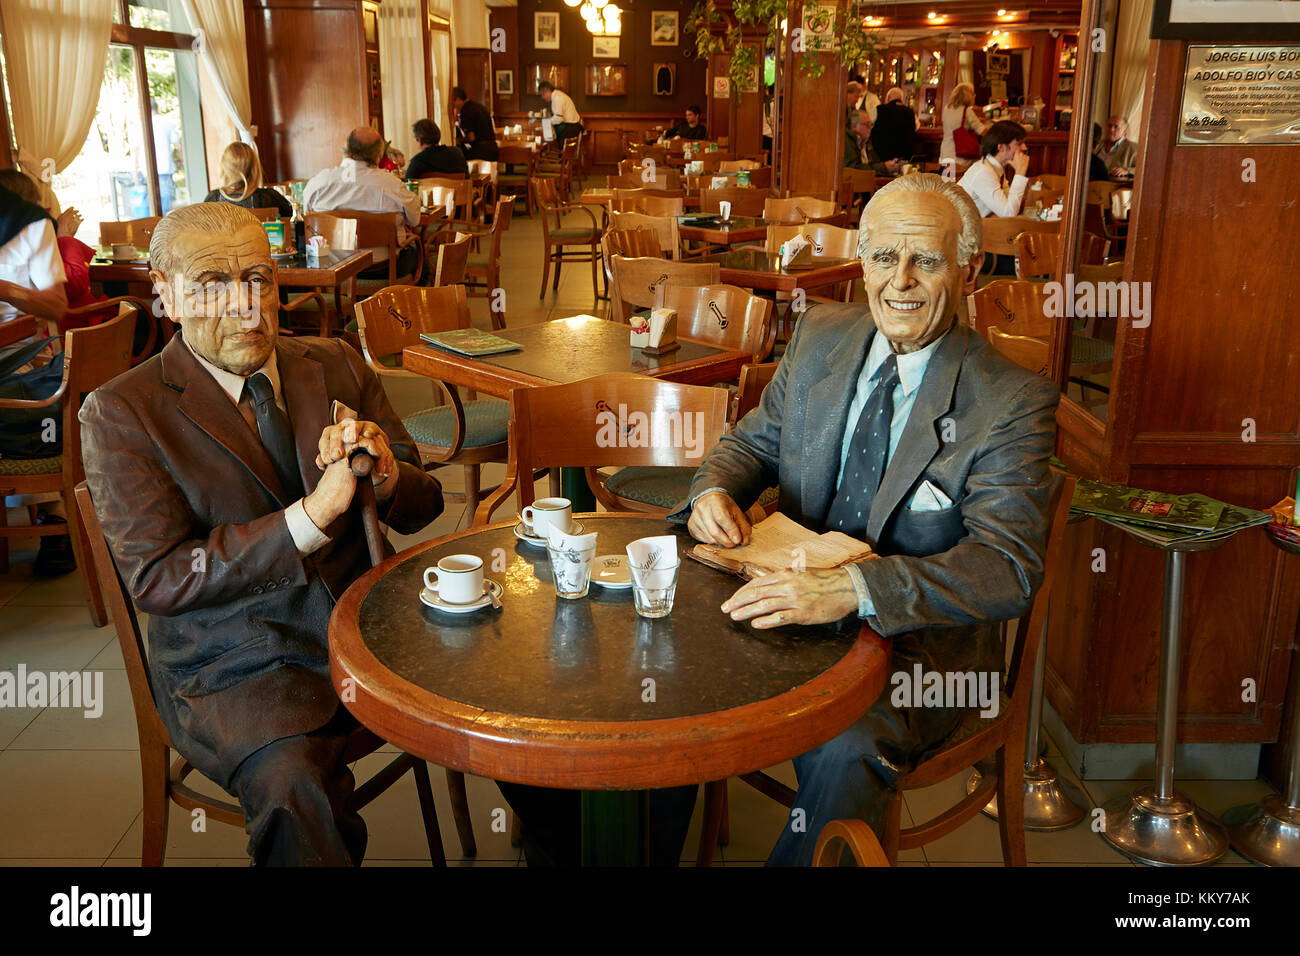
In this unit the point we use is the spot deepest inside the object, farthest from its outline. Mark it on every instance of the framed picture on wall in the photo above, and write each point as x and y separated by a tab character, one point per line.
505	82
1224	22
663	27
999	63
665	79
609	79
604	47
546	30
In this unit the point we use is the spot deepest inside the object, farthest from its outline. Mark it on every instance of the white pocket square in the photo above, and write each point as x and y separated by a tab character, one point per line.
929	497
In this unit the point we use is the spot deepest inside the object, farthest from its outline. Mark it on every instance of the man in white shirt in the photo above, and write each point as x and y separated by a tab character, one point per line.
568	123
1002	145
31	269
358	183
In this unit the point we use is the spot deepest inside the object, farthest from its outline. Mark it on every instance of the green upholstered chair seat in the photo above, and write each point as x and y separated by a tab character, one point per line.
581	232
1085	350
486	423
31	467
661	487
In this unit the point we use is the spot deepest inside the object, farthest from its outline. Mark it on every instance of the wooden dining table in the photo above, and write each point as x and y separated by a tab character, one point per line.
552	692
603	197
711	228
758	269
569	350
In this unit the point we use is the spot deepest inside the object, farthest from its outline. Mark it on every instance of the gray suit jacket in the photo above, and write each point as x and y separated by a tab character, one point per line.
944	575
191	507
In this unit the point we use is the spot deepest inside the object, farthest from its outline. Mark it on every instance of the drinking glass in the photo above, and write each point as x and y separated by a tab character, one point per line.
653	590
571	570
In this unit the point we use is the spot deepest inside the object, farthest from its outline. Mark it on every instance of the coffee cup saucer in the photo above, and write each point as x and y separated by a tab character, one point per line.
537	541
432	599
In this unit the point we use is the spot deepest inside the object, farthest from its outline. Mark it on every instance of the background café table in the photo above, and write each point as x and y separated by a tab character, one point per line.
759	269
552	692
569	350
711	229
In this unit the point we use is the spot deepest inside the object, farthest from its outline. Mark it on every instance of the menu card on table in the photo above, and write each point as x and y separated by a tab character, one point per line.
470	342
778	543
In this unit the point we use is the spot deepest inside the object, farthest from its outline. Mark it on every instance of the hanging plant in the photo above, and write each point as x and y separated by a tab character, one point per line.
825	28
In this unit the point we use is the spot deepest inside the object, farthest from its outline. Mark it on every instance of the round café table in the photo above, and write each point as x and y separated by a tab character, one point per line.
585	694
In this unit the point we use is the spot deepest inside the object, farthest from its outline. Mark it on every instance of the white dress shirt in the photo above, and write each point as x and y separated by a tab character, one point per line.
984	182
31	260
562	107
353	184
306	536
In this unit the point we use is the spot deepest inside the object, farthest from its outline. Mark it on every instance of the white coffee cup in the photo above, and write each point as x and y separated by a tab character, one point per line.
546	513
724	210
123	250
458	578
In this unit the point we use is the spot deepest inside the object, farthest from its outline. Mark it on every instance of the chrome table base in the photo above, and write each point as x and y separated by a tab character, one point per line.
1163	832
1267	833
1050	803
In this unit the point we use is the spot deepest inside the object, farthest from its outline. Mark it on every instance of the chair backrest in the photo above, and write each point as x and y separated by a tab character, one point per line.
684	422
452	258
860	180
512	154
798	208
1099	191
736	165
373	229
637	280
654	204
1027	351
1037	253
662	178
149	725
501	215
665	227
1012	305
1000	232
266	213
393	318
753	379
483	167
723	315
139	231
635	195
713	162
434	191
827	240
745	201
92	356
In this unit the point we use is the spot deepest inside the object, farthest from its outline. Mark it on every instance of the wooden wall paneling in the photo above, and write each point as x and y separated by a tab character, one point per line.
507	20
812	121
747	115
308	84
474	73
721	97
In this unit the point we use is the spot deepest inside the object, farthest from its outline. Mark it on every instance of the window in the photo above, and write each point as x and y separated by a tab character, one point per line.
144	153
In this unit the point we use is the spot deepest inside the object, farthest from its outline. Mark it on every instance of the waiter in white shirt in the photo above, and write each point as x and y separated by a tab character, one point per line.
568	123
358	183
1002	148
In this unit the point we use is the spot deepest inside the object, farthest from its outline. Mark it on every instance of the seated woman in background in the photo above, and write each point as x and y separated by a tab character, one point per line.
241	172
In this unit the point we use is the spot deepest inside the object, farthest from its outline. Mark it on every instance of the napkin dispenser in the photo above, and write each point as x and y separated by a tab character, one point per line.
796	251
655	333
720	182
318	249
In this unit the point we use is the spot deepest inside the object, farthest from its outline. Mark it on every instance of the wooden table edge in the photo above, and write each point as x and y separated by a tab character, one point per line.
596	755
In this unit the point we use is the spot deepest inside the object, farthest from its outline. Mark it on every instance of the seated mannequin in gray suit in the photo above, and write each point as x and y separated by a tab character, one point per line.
945	474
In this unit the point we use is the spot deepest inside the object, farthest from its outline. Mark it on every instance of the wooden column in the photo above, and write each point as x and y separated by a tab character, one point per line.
811	141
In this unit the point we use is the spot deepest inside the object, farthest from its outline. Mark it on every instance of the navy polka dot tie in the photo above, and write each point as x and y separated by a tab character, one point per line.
868	452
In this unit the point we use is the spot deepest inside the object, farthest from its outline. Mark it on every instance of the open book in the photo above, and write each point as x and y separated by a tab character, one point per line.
778	543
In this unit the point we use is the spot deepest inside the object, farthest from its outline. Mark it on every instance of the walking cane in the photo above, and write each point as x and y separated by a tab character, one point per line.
363	464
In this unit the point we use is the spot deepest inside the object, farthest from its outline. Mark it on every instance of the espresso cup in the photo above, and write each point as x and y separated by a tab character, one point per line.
123	250
546	513
458	578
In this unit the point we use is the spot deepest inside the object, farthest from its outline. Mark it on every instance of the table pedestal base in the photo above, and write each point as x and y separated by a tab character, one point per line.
1267	832
1172	832
615	828
1050	804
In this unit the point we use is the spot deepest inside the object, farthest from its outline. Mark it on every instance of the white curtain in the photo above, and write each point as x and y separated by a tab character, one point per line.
220	43
1129	68
55	52
401	70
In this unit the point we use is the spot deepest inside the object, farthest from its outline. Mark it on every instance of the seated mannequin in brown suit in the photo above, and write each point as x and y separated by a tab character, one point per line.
220	475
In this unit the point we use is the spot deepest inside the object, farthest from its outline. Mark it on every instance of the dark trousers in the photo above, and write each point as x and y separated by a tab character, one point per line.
295	794
552	823
565	131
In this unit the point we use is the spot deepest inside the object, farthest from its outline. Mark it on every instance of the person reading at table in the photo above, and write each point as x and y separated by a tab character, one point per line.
1002	154
434	159
219	471
359	184
689	128
898	425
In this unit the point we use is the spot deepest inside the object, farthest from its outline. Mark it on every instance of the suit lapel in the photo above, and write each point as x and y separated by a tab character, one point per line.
920	441
828	409
208	407
302	380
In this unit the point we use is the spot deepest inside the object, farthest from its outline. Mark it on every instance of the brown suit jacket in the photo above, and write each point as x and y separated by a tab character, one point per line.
193	512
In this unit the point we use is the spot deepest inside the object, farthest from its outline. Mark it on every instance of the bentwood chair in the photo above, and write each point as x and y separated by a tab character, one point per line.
452	431
636	281
629	243
164	779
798	209
374	230
483	270
91	357
652	204
745	200
1037	253
566	243
665	227
542	434
995	744
855	836
138	231
519	164
453	259
1000	232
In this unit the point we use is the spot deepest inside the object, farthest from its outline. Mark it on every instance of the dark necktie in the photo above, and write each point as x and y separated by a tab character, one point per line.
276	433
868	450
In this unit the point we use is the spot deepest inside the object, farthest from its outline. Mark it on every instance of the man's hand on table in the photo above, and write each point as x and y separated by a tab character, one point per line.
794	597
716	519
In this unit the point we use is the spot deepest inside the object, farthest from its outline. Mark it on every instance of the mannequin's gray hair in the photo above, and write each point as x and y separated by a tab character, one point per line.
222	218
971	239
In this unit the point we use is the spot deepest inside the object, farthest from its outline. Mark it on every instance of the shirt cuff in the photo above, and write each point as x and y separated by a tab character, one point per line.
306	536
866	607
707	491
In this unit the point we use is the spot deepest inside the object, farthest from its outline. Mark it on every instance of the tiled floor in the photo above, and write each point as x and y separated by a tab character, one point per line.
69	786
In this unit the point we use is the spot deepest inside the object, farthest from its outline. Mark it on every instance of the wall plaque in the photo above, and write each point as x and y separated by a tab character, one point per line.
1241	94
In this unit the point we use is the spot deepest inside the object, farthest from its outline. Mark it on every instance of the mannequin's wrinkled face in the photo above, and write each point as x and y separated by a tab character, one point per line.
913	281
224	296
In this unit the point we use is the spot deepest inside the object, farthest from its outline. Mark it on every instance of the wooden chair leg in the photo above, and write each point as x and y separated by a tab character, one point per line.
460	812
472	481
1011	802
715	795
153	776
546	272
429	813
724	827
559	261
595	278
893	823
81	552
